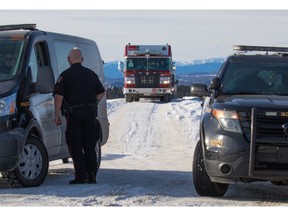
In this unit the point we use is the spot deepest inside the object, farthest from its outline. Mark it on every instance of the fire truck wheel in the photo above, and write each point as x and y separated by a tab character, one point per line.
128	98
136	98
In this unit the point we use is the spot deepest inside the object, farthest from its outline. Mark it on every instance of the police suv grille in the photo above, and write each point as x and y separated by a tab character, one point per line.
269	149
147	79
268	125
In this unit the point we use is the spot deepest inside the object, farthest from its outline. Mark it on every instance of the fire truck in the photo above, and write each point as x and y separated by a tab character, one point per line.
149	72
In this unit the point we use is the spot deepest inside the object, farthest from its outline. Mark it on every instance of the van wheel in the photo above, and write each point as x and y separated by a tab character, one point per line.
98	154
202	183
33	164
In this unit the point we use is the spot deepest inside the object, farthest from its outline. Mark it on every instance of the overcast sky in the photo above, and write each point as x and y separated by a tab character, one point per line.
193	34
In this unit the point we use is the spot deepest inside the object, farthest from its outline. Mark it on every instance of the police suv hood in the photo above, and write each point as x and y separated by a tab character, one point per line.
7	87
249	101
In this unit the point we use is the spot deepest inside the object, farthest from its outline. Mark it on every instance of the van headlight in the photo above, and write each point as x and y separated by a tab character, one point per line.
228	120
7	105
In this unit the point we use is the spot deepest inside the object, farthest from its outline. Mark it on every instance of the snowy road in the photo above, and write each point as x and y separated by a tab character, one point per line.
147	161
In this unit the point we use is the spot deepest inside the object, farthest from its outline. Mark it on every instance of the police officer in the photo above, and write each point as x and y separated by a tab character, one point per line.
80	89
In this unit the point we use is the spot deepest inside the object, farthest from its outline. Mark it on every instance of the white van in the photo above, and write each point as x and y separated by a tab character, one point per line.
29	137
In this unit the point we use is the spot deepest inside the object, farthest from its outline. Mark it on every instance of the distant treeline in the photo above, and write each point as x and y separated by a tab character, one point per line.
117	92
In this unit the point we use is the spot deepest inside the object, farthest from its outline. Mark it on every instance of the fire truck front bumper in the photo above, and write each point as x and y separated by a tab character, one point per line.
147	91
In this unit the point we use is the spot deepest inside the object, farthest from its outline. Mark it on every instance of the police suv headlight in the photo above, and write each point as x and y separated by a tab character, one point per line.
228	120
7	105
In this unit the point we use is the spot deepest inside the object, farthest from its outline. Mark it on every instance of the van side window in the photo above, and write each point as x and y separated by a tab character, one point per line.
42	54
41	70
62	50
33	66
89	52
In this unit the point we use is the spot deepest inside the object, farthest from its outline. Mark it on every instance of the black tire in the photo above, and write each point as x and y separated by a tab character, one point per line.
279	183
136	98
202	183
33	164
165	98
128	98
98	153
65	160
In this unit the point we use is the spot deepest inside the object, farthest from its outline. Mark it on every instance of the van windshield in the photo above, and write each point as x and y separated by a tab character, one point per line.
10	53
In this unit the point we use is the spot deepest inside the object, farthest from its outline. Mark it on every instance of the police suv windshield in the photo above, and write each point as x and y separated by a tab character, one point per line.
10	52
256	77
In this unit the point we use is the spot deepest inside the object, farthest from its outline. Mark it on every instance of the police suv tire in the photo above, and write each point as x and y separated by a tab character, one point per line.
33	164
202	183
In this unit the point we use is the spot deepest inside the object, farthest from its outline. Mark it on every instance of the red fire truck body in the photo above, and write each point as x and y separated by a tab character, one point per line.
149	72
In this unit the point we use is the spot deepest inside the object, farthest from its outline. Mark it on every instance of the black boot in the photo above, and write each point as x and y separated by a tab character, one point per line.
79	181
92	177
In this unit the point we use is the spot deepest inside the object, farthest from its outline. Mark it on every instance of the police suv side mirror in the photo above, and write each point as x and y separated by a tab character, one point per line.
199	90
215	83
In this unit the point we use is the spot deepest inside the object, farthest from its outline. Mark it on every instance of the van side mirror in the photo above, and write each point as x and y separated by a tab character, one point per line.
27	87
121	66
45	80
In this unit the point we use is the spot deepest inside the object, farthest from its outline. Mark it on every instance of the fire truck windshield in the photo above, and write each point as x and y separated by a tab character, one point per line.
147	63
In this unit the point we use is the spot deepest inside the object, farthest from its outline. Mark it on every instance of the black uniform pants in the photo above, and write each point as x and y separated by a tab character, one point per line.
81	137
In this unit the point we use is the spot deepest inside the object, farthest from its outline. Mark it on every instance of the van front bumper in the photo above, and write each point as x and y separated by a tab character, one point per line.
11	146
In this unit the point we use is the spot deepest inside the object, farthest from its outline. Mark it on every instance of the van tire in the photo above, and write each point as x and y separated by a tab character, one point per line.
33	164
98	154
202	183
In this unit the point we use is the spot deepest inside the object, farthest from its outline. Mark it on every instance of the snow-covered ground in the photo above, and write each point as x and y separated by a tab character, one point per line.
147	161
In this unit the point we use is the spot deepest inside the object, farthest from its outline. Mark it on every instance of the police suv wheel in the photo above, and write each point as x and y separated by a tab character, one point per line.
33	164
202	183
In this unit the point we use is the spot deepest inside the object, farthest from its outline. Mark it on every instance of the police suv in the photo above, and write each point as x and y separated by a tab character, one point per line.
29	139
244	122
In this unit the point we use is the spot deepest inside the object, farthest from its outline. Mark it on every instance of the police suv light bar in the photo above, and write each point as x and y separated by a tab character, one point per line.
17	27
260	48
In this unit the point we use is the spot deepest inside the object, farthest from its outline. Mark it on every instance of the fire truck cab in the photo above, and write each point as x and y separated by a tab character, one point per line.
149	72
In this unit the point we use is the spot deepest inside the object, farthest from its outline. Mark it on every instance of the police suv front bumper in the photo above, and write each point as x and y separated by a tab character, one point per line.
230	157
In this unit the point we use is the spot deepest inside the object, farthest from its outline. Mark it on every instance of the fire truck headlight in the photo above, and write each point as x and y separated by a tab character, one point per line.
164	80
130	80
